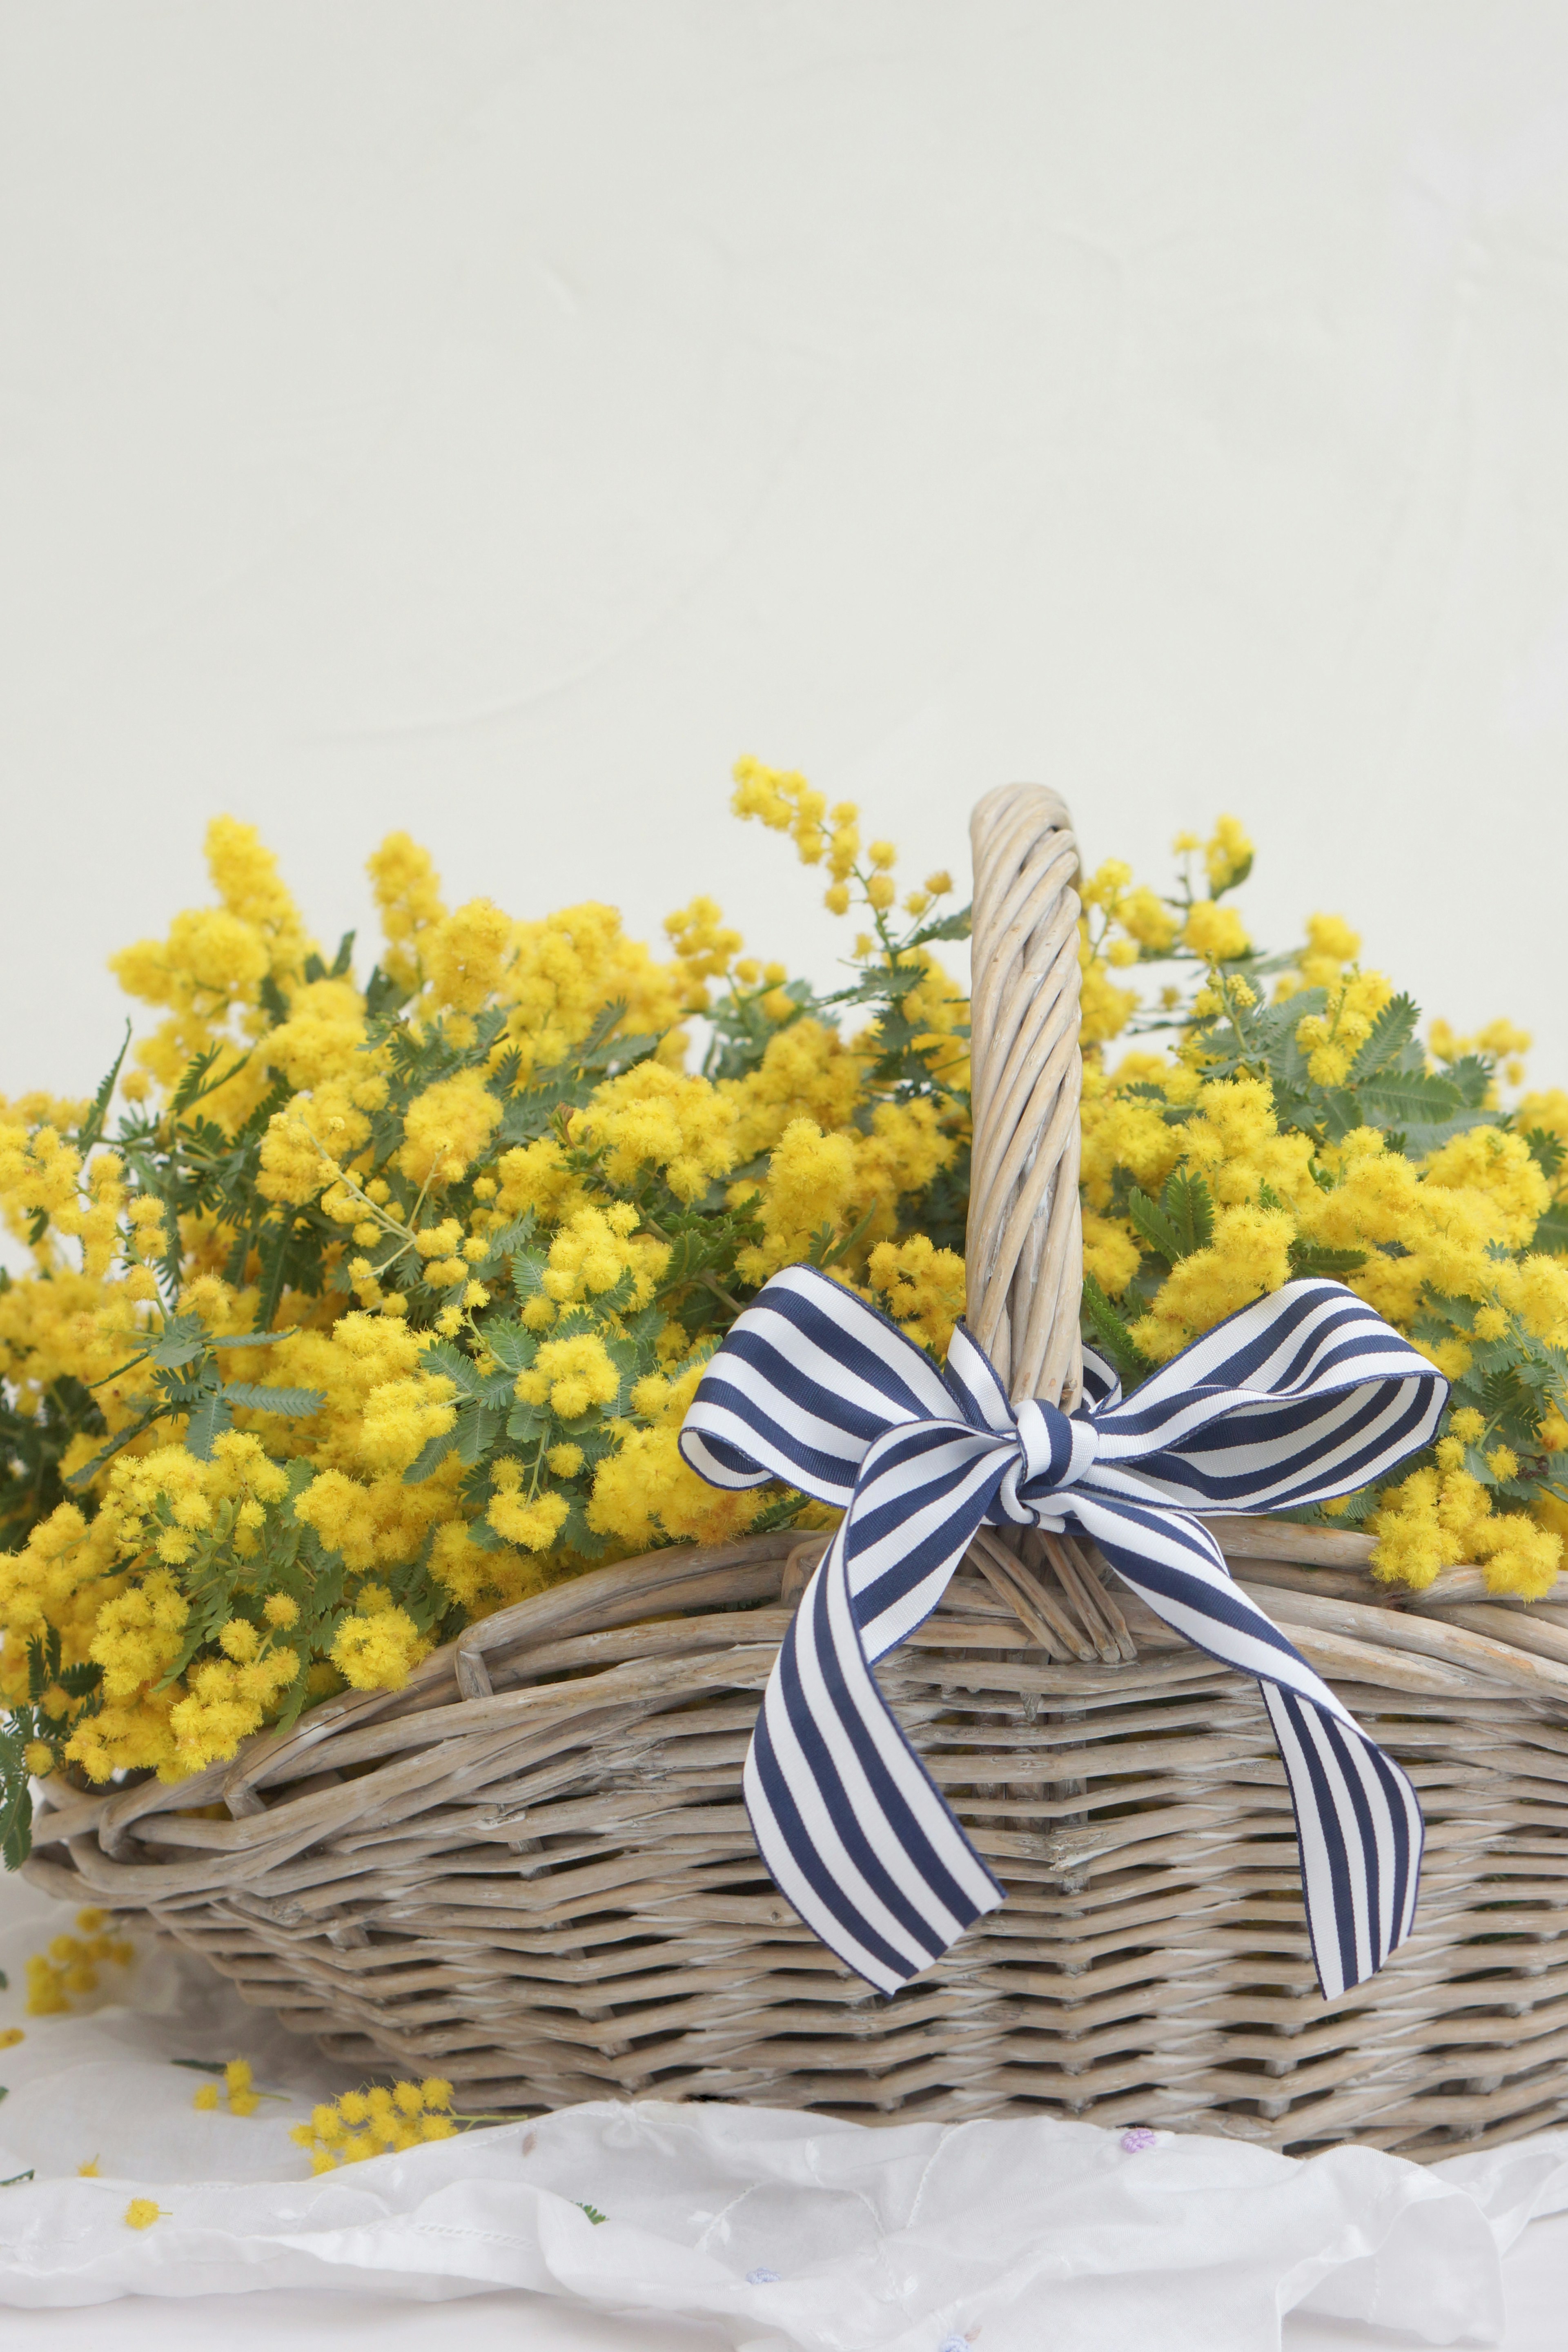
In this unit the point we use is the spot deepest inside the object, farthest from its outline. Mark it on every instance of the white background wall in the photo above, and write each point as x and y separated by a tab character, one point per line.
490	418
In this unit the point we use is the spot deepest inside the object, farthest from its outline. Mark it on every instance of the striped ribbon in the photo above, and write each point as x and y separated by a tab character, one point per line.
1306	1395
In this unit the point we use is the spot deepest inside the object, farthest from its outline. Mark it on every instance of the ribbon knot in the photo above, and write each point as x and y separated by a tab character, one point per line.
1058	1451
1303	1396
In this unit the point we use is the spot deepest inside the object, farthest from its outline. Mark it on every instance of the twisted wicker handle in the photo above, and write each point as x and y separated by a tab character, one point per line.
1024	1244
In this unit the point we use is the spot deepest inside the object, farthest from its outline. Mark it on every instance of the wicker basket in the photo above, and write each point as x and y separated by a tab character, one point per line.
531	1868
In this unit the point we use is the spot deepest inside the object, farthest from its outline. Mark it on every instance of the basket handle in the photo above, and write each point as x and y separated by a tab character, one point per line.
1025	1243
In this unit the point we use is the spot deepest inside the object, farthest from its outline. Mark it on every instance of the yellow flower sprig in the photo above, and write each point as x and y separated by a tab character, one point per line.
380	2120
900	961
71	1964
238	2089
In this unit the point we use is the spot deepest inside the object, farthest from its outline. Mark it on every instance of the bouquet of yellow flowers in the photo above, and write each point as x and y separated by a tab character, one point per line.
1299	1128
382	1303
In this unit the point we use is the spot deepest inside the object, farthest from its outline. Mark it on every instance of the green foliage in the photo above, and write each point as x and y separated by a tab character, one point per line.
742	1030
1548	1152
233	1572
905	1066
1105	1330
1229	1031
1510	1380
192	1166
1552	1234
41	1717
1388	1086
32	1448
187	1380
1320	1259
1181	1223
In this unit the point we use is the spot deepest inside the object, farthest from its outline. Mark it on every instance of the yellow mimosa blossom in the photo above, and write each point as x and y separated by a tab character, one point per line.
921	1286
643	1490
379	1652
570	1375
705	949
447	1126
1145	920
1110	1252
408	893
658	1118
378	1301
70	1964
466	954
1248	1257
1105	1010
1228	853
378	2121
1217	933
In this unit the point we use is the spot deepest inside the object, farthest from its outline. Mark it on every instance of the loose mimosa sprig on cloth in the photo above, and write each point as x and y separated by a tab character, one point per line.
362	1306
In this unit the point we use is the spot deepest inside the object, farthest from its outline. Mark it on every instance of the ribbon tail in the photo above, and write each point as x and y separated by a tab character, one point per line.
855	1832
1359	1829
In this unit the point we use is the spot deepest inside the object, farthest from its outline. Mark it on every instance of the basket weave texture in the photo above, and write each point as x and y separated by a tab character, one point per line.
531	1869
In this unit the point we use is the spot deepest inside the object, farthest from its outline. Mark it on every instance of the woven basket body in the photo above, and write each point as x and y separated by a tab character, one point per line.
531	1869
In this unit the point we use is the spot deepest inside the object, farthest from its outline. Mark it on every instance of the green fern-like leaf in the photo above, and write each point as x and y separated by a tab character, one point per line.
512	1345
1319	1258
15	1807
91	1128
1472	1074
296	1403
1552	1233
1189	1204
1547	1151
430	1456
1154	1227
1386	1040
210	1417
197	1080
1109	1333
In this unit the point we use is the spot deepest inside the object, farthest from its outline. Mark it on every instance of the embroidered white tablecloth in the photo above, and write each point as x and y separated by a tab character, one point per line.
744	2228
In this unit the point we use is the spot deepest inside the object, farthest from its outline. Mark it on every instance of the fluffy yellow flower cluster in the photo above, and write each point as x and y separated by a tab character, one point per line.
1447	1217
1314	1135
1122	925
787	803
238	2091
371	2123
487	1222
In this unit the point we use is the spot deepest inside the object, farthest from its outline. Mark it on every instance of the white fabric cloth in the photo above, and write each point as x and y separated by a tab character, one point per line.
759	2230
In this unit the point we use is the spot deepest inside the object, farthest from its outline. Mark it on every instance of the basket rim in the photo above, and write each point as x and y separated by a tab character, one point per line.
1453	1639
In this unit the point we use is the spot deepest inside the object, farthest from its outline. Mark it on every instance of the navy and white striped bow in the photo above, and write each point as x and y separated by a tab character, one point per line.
1305	1395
